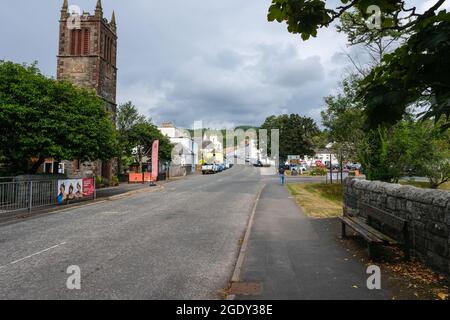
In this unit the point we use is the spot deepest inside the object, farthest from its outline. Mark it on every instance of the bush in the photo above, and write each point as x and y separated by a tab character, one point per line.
317	171
99	183
114	181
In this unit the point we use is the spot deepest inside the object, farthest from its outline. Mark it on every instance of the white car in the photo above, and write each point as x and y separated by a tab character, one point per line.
208	168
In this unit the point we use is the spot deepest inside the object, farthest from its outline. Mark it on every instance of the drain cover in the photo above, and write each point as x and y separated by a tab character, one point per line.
246	288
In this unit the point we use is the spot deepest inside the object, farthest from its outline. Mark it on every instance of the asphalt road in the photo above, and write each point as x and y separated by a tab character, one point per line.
178	243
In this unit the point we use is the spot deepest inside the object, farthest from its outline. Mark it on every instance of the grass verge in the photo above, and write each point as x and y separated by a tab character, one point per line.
318	200
424	184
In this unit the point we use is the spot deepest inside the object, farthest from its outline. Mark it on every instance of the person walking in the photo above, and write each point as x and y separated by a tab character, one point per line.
282	173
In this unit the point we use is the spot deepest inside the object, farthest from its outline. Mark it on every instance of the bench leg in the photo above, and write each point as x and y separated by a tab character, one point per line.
407	253
343	231
372	251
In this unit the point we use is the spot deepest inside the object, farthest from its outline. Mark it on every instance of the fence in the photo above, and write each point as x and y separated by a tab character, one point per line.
180	171
17	196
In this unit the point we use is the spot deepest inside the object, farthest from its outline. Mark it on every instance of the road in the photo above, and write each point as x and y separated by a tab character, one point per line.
178	243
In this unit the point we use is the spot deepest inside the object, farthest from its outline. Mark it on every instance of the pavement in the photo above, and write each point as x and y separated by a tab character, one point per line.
291	256
182	242
121	189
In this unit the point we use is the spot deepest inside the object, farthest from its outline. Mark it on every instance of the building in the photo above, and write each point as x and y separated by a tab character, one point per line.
186	147
323	156
212	149
88	58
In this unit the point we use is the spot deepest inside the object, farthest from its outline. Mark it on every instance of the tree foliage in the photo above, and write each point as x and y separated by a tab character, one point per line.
136	136
409	148
43	118
296	134
343	120
416	70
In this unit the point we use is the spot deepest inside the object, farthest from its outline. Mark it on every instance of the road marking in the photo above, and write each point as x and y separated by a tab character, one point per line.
32	255
237	270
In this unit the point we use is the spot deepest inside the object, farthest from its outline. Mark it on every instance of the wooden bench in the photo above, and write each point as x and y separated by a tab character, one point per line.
366	228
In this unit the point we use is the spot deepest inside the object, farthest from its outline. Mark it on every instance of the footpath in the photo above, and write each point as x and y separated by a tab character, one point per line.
291	256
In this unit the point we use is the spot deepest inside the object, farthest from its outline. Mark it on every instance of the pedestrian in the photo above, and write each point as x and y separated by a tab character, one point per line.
281	173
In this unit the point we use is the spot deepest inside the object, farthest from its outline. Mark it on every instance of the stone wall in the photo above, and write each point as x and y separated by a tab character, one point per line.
427	212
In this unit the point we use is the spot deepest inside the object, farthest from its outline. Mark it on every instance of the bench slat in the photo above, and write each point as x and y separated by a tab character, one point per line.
361	229
384	217
386	239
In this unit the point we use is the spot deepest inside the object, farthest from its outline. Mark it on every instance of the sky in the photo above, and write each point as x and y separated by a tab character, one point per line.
220	62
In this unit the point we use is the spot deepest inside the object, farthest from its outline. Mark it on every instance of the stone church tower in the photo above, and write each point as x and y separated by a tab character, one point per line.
88	58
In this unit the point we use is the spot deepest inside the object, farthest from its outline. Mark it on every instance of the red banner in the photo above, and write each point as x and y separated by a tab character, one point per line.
155	151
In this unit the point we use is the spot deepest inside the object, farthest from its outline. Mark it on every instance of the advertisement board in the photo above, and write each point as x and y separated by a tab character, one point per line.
75	189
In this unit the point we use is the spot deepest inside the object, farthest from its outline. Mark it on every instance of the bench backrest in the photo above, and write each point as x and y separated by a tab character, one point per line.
387	222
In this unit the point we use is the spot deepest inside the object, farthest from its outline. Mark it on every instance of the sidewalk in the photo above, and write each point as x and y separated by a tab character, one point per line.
295	257
121	189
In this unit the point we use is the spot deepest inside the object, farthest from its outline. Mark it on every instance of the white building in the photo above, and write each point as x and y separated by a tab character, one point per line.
185	151
322	155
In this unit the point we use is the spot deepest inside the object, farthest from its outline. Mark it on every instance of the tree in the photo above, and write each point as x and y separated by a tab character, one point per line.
374	41
296	134
343	120
416	70
409	148
43	118
434	162
136	136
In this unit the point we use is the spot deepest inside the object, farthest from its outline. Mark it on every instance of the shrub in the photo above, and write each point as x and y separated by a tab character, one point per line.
114	181
317	171
99	183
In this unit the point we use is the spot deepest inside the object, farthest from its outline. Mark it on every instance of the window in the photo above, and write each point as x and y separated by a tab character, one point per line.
79	42
86	42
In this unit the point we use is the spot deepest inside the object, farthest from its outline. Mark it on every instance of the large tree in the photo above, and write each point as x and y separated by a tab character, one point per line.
44	118
136	136
296	134
343	120
417	70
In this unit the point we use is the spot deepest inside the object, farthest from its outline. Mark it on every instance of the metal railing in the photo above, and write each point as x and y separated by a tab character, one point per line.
27	195
16	196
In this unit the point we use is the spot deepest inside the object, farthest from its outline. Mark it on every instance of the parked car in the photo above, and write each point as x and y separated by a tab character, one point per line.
209	168
356	166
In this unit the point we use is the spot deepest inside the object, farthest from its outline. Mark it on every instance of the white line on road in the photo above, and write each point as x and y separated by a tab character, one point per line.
32	255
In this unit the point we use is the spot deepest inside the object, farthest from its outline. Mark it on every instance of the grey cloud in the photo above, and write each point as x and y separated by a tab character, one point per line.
184	61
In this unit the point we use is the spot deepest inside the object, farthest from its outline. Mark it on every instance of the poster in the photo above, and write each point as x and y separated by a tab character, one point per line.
88	187
75	189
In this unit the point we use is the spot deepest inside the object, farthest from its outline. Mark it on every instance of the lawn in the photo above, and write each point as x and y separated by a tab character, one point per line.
318	200
424	184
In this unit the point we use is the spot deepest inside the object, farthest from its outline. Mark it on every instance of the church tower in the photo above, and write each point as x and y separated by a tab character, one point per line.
88	58
88	52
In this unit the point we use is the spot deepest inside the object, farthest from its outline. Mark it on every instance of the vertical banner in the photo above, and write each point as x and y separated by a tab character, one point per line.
155	151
